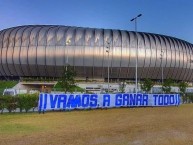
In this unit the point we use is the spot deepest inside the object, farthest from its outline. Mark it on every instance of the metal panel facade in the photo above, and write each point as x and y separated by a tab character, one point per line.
43	51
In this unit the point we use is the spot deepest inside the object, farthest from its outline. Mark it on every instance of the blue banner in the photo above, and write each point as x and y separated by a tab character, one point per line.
85	101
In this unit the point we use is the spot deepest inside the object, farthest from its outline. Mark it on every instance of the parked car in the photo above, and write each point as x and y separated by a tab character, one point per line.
14	92
10	92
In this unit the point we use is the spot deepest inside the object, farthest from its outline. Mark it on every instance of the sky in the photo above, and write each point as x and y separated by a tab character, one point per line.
168	17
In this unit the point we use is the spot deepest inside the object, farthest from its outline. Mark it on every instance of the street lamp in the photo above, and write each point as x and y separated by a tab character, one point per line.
108	51
161	57
136	59
67	43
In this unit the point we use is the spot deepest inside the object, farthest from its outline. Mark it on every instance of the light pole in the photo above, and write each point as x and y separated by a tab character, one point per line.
108	51
161	57
136	59
67	43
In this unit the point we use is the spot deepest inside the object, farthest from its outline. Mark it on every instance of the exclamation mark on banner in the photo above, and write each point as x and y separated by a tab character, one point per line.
179	99
40	103
45	102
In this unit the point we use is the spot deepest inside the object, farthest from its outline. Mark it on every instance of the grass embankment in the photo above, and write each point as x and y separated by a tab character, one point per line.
74	88
123	126
6	84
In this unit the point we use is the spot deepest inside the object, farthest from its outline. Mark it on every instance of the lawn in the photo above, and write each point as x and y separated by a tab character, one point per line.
123	126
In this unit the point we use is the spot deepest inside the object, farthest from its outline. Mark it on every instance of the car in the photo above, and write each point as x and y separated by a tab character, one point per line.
9	92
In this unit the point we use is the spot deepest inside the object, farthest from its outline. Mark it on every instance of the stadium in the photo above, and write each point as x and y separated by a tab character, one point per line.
44	50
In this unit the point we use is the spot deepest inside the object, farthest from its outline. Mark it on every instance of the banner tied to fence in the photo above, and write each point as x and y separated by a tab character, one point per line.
86	101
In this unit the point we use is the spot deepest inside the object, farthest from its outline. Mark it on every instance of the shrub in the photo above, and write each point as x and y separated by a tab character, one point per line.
10	103
34	100
27	102
21	103
188	98
2	104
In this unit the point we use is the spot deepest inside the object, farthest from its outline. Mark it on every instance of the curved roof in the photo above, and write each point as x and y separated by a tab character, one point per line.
52	35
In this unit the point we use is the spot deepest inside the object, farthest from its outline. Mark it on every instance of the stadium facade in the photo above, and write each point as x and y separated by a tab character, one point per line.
43	51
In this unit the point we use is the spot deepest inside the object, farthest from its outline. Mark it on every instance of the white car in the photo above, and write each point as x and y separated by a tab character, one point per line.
10	92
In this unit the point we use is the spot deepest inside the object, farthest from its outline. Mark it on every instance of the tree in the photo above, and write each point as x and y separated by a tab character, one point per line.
146	85
166	86
182	86
67	80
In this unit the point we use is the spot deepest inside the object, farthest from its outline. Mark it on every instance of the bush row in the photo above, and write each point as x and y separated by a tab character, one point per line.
187	98
23	102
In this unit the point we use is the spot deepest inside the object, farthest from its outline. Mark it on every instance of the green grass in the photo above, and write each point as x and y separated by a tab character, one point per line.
6	84
132	126
57	87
